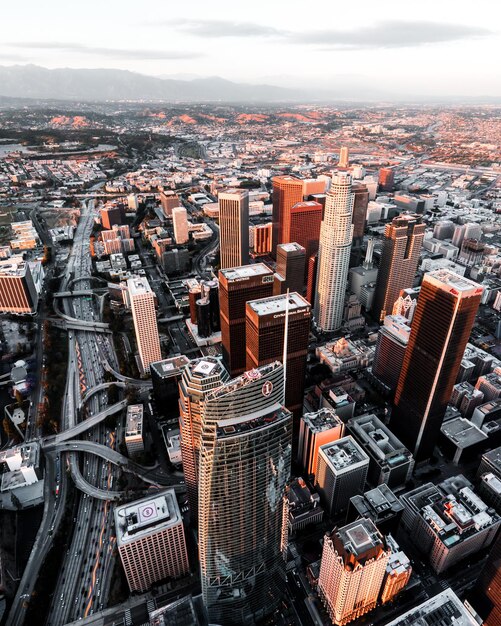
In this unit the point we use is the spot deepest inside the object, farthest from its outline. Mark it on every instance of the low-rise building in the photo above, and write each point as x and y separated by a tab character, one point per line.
380	505
303	506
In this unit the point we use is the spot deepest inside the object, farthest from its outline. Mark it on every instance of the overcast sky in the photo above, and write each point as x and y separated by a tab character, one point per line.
442	47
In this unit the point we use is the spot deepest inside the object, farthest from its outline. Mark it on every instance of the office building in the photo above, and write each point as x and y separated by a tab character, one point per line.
111	216
345	354
244	469
399	261
150	540
486	594
406	303
180	224
315	430
386	179
341	473
262	238
165	377
142	304
442	323
390	462
443	229
380	505
344	157
352	570
303	506
460	440
198	378
169	200
287	191
398	572
449	521
336	236
466	231
291	266
391	344
18	290
237	286
490	462
311	280
489	489
134	429
233	228
466	398
490	385
444	609
265	333
305	222
359	218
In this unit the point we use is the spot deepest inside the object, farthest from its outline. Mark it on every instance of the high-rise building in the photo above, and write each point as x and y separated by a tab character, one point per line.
165	377
352	570
291	266
336	236
265	332
399	261
359	218
18	292
443	229
199	377
341	473
406	303
287	191
311	281
398	572
263	238
344	157
150	540
180	224
486	594
134	429
169	200
142	303
234	227
391	344
386	179
111	216
305	222
445	609
315	430
443	320
244	469
237	286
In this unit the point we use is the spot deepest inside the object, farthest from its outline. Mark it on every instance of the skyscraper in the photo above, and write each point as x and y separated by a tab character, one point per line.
180	224
291	266
391	344
386	179
305	222
234	227
344	157
142	303
199	377
487	591
317	429
352	570
237	286
359	217
265	330
287	191
443	320
334	253
18	292
399	261
244	468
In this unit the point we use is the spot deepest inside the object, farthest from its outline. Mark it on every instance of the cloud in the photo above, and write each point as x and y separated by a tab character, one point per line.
116	53
224	28
390	34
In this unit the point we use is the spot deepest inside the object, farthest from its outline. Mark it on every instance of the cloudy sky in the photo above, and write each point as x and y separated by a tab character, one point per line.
440	47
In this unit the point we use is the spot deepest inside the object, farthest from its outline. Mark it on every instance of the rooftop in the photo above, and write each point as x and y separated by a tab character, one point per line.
343	453
291	247
242	193
14	266
134	425
358	539
246	271
242	425
322	420
138	286
146	516
453	283
378	503
170	367
462	432
278	304
444	609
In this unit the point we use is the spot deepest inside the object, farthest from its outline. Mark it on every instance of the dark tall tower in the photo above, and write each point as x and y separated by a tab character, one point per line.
359	211
311	282
265	328
443	320
386	179
237	286
287	191
305	222
290	265
399	261
486	594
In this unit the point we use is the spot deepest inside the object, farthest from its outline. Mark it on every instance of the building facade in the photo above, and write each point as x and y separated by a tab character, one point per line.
142	303
287	191
233	228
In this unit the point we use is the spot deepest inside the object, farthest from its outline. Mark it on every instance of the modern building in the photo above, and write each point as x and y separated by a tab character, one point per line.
336	236
134	429
18	290
490	385
461	440
265	335
444	609
399	261
489	489
234	227
303	506
305	222
244	470
442	323
390	461
386	179
359	218
180	224
344	157
391	344
341	473
287	191
380	505
487	591
142	304
150	540
315	430
352	570
237	286
263	234
311	280
198	378
291	261
169	200
405	304
490	462
111	216
165	377
398	572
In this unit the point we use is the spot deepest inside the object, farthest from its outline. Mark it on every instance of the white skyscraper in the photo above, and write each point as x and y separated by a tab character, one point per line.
234	228
142	303
180	223
336	234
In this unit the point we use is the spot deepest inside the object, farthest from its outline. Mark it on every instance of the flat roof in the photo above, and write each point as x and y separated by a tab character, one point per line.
452	282
233	192
445	609
134	425
322	420
462	432
13	266
138	285
146	516
359	536
291	247
245	271
343	453
278	304
170	367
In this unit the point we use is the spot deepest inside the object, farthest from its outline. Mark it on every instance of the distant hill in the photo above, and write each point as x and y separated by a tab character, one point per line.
32	81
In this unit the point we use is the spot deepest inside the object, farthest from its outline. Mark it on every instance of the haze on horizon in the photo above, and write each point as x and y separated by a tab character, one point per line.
430	48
